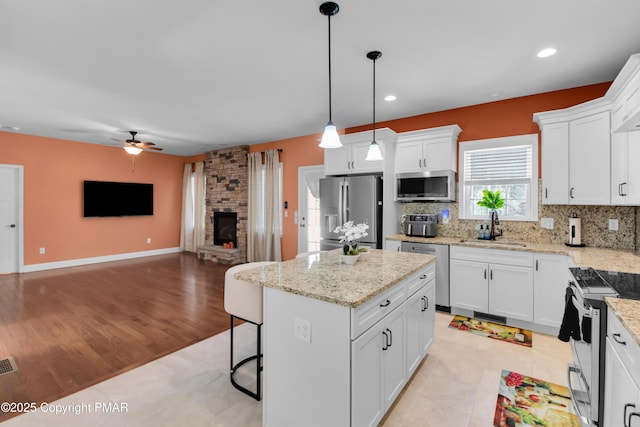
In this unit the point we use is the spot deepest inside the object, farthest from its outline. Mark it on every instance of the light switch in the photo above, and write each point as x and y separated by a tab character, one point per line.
546	223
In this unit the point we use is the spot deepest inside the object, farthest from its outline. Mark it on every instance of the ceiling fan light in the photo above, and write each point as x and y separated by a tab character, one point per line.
374	152
330	137
134	151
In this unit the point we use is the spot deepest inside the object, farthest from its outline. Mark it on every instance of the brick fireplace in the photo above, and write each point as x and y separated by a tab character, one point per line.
227	192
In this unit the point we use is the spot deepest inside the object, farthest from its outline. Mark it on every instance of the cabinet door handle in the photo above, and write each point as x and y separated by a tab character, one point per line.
571	192
633	414
616	338
422	277
385	304
390	343
485	274
621	186
624	414
424	162
385	340
424	307
546	193
490	274
420	163
426	299
536	265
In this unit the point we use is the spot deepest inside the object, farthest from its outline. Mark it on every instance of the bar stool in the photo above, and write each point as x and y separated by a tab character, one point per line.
243	300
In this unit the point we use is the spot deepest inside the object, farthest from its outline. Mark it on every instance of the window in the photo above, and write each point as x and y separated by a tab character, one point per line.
507	164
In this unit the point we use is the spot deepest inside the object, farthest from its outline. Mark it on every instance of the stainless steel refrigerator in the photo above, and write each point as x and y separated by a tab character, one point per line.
352	198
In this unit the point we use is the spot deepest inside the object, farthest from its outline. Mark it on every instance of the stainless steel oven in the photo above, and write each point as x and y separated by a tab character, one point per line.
585	376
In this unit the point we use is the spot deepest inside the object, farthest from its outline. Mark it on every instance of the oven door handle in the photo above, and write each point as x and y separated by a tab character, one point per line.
585	421
583	310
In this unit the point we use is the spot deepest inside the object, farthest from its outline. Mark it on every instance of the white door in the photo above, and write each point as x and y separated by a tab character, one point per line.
9	227
308	215
511	291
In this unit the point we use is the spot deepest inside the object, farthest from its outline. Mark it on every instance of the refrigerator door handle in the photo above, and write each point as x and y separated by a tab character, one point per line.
347	202
341	204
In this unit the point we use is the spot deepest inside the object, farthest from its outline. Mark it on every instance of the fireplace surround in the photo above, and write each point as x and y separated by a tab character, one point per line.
225	228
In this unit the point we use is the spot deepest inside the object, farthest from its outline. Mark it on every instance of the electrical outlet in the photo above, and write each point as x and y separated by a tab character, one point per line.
546	223
613	225
302	329
42	251
148	240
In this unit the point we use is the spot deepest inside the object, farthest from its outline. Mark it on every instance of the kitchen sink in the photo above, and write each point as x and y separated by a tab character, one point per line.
498	243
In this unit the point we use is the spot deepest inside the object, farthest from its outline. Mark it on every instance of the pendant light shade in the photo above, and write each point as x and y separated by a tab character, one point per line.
134	151
374	152
330	137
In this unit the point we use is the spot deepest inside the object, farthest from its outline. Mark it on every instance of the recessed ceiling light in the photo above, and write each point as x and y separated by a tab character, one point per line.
3	127
546	52
390	98
494	94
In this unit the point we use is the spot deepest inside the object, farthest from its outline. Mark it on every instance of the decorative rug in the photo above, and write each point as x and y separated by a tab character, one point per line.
528	402
493	330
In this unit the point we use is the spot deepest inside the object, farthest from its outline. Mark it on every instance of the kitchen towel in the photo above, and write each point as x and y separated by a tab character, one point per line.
570	327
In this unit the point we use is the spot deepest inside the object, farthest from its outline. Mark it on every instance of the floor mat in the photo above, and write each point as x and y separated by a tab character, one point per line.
493	330
525	401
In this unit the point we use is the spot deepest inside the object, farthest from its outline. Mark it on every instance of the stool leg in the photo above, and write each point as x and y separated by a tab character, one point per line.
231	346
233	367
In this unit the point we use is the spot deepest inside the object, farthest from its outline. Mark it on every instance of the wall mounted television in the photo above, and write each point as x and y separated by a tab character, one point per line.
103	199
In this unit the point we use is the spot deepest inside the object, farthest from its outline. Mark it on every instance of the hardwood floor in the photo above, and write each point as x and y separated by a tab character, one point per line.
71	328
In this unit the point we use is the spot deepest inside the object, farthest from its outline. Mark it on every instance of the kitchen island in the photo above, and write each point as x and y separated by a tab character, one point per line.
341	341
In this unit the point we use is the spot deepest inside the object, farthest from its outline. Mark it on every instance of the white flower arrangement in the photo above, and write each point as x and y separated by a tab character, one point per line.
351	235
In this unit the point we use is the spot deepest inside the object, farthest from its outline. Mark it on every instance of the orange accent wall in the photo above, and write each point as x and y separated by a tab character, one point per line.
491	120
54	170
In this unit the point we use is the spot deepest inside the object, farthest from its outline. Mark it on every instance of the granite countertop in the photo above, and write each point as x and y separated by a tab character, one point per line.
322	276
600	259
628	311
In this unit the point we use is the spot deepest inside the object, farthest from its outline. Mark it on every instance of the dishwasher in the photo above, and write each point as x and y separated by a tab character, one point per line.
442	269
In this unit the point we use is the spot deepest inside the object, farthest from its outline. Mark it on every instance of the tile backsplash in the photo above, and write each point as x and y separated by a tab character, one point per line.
595	224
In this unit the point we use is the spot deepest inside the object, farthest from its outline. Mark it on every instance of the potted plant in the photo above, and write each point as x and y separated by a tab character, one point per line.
351	235
492	201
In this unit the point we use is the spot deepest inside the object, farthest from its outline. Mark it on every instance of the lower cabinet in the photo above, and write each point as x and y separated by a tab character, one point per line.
622	396
392	245
492	281
550	279
421	309
385	355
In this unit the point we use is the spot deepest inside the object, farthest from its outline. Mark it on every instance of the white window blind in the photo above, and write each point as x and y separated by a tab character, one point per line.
507	164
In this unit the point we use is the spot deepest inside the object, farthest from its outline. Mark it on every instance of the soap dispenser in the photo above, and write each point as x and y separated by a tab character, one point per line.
481	232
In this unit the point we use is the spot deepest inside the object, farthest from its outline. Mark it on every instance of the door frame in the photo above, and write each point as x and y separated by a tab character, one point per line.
19	192
302	198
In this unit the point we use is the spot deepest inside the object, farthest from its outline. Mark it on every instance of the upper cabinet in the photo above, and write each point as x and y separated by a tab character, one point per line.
575	155
624	93
625	175
350	158
427	150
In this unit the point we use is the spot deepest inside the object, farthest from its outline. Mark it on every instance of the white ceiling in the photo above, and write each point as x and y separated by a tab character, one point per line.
193	75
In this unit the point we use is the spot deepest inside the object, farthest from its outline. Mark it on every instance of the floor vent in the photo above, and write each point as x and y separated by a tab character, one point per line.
7	366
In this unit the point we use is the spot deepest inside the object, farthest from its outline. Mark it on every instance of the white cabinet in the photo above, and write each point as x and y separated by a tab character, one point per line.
555	163
625	95
392	245
511	291
469	284
378	368
492	281
625	175
549	286
427	150
350	159
589	164
420	325
622	395
622	376
576	154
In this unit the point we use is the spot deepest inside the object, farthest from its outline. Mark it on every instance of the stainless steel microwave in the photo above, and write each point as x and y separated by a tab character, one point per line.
437	186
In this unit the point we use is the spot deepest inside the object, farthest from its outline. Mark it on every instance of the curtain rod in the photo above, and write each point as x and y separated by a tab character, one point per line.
279	151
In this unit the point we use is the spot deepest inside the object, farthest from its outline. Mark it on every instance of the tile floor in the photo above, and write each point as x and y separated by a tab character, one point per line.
455	386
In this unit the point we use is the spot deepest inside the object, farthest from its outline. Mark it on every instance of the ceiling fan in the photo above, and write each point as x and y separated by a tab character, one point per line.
135	147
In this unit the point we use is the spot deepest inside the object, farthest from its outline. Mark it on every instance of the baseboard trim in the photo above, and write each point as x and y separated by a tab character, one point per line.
95	260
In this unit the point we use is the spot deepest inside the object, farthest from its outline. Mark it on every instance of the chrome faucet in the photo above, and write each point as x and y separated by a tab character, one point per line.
495	231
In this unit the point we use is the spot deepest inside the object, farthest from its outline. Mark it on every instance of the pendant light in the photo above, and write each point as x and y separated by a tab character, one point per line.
374	152
330	138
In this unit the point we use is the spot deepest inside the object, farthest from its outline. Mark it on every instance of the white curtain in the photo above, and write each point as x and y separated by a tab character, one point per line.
264	233
193	210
